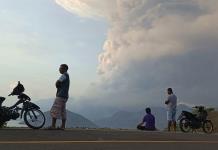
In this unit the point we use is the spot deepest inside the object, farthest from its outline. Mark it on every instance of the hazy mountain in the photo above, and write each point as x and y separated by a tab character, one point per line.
73	120
46	104
121	119
113	117
90	111
129	120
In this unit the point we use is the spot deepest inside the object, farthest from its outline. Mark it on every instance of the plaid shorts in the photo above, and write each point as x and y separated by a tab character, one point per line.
58	109
171	115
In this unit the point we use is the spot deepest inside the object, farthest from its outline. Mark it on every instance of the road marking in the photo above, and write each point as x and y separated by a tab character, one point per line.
110	142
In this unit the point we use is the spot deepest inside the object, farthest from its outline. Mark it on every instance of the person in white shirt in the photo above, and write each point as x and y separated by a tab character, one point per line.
171	103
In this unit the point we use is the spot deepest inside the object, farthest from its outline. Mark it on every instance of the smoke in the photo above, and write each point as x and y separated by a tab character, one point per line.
152	45
88	8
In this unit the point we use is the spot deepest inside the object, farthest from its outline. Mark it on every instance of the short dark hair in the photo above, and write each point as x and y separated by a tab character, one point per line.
170	90
148	110
65	66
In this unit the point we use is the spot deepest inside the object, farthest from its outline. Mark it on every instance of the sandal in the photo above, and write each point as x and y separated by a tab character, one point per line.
50	128
59	128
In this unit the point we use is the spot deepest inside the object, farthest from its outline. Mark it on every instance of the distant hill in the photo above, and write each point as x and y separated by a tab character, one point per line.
129	120
121	119
73	120
112	117
90	111
46	104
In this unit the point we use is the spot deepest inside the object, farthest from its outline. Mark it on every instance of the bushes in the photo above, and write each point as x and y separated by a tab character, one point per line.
4	125
213	116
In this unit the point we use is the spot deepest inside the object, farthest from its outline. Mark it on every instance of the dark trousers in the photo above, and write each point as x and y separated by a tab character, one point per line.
145	129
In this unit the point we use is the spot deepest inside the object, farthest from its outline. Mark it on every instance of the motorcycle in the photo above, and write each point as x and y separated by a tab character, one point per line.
189	121
30	112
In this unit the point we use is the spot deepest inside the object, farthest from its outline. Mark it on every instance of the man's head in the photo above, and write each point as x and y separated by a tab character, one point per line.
170	91
148	110
63	68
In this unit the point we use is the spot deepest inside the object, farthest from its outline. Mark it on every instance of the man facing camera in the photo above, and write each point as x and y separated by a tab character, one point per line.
171	103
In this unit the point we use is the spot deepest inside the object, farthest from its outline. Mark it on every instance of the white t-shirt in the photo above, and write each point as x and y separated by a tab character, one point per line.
172	102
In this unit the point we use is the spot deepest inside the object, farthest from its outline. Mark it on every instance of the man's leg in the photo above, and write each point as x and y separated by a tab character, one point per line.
63	123
53	122
144	128
55	112
169	125
169	118
174	119
174	125
140	127
64	114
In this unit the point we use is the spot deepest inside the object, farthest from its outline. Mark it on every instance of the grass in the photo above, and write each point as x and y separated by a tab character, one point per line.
213	116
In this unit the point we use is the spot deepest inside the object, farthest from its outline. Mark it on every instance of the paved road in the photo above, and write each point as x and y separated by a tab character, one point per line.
77	139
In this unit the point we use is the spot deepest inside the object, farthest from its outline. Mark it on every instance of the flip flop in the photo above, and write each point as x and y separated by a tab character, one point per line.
59	128
50	128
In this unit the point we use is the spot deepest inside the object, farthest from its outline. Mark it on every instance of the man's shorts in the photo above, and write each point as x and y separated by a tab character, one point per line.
171	115
58	109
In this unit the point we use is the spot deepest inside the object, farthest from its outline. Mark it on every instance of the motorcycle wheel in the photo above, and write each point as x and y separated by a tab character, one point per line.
184	125
34	118
208	126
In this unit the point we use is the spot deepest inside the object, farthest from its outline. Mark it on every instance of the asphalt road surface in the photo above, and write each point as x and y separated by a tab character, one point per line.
79	139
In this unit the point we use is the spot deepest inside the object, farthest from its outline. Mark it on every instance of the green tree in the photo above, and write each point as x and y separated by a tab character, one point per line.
4	125
210	109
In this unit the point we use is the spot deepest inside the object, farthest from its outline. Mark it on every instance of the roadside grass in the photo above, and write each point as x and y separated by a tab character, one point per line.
213	116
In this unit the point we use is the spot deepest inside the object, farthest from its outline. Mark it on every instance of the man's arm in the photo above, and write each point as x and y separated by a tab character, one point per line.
143	121
167	101
60	80
58	84
141	124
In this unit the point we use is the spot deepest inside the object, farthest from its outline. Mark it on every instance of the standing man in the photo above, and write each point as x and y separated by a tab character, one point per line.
171	103
58	110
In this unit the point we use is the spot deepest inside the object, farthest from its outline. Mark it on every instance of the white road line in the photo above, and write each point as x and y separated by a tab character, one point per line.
99	142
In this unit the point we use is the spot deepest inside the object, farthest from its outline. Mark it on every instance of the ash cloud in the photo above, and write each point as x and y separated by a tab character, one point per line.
152	45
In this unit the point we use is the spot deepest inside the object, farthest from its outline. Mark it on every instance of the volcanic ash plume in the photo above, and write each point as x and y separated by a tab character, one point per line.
153	44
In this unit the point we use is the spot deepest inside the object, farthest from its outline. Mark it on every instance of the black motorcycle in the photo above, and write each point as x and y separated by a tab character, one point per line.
30	112
189	121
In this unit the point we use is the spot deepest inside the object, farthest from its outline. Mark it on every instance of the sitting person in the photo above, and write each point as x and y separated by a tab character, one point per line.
148	122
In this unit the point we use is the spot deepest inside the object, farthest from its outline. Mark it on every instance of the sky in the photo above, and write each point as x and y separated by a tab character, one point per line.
38	36
121	53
